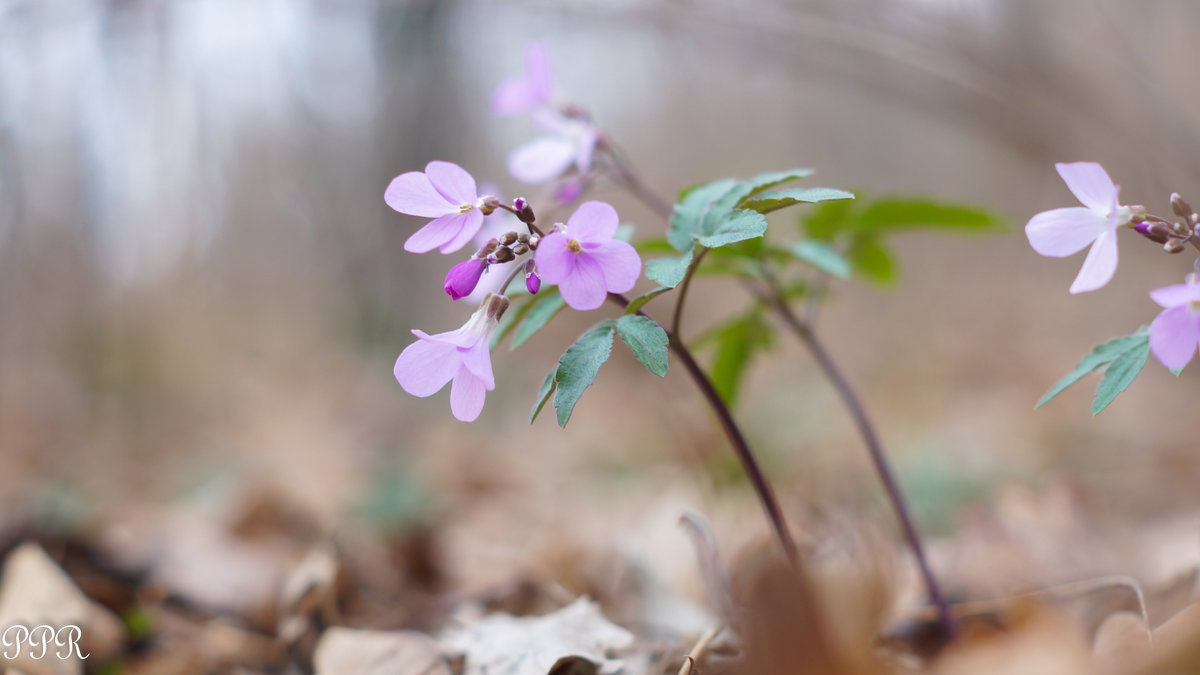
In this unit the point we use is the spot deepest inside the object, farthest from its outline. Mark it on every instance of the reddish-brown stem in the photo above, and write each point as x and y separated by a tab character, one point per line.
750	464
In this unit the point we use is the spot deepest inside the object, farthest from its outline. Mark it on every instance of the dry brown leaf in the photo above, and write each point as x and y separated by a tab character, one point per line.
502	644
35	591
1122	639
345	651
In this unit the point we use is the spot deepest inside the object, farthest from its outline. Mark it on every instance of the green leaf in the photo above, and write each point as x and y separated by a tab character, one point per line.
778	199
737	341
739	225
688	215
1120	374
547	388
823	257
578	366
545	309
648	341
1100	356
766	181
668	272
897	213
638	302
828	219
654	246
872	260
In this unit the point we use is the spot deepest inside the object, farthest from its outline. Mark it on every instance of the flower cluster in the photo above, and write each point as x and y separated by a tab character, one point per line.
581	257
1175	333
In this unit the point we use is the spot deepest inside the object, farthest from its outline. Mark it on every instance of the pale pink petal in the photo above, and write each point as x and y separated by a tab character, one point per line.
466	396
530	90
584	146
437	232
1174	336
555	122
425	366
1173	296
620	263
1099	266
554	261
537	72
412	193
584	288
1062	232
1089	182
453	182
478	360
469	224
593	222
541	159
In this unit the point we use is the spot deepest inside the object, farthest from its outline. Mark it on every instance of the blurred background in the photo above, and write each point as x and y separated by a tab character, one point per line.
202	292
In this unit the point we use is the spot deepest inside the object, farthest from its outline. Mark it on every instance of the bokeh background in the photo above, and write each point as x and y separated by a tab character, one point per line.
202	292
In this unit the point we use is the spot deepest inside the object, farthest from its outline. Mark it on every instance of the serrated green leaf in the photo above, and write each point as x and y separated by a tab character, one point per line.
544	393
640	301
897	213
768	180
872	260
668	272
545	309
688	215
648	341
828	219
778	199
823	257
1120	374
739	225
1101	355
578	366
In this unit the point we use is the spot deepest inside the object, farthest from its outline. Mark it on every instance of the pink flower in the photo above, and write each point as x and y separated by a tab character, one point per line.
1175	332
444	192
1062	232
530	91
570	143
461	356
584	259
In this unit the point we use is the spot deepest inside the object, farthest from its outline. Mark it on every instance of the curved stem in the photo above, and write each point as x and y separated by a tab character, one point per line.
750	464
684	285
804	331
624	175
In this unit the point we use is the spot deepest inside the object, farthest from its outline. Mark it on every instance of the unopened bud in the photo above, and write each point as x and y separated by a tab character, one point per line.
488	204
524	210
1155	231
533	283
520	249
487	248
533	241
1173	246
495	305
1194	219
523	238
502	255
464	277
1180	207
508	238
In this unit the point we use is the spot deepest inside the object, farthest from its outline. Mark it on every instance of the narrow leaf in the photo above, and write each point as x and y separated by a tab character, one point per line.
648	341
547	388
778	199
638	302
1100	356
823	257
903	213
539	316
510	320
1120	374
871	259
578	366
668	272
828	219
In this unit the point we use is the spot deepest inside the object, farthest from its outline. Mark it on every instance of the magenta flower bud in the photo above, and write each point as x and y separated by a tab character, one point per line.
463	277
533	283
1154	231
519	204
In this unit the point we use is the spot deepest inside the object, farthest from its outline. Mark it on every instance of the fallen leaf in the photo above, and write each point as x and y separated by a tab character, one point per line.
342	651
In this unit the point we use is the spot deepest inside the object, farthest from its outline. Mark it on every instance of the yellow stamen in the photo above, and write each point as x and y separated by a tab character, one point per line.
466	208
574	246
